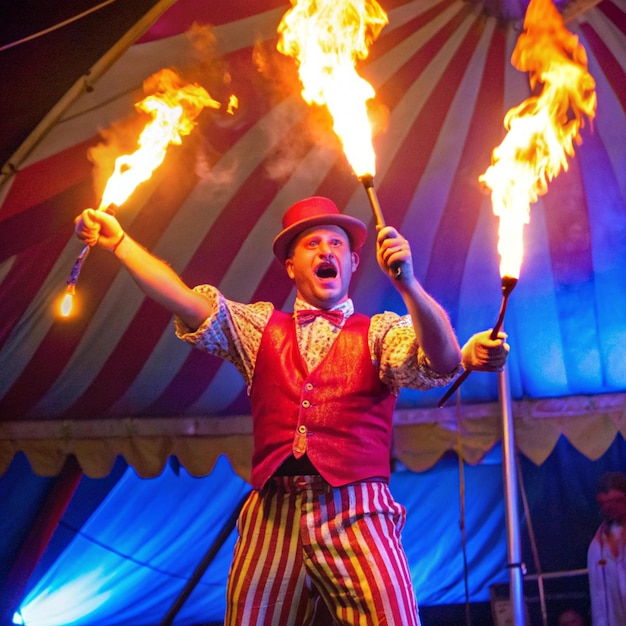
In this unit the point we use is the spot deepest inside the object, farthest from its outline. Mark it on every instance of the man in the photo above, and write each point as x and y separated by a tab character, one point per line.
606	557
320	523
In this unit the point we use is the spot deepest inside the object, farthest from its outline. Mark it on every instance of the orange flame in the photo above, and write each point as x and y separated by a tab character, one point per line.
326	38
173	107
542	130
233	104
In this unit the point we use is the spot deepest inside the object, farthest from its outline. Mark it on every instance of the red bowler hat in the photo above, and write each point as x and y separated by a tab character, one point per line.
316	211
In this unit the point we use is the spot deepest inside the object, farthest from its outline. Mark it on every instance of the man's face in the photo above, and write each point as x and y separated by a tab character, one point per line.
571	618
613	505
321	265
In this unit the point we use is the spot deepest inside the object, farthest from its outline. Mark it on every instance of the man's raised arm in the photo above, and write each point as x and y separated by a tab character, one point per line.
154	277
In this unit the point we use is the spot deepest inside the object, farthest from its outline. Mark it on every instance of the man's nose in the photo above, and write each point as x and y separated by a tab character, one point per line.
325	249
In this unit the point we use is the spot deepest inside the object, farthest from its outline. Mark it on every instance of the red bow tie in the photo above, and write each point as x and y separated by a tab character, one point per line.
306	317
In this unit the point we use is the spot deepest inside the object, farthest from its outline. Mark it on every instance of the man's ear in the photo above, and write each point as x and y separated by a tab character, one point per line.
355	261
289	267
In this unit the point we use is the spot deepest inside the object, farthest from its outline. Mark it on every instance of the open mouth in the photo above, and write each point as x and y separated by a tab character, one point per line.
326	270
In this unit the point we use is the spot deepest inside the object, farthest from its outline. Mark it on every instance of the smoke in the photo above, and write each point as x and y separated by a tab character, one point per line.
299	127
265	83
202	67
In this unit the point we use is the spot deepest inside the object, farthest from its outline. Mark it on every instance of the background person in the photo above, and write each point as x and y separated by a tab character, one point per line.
606	557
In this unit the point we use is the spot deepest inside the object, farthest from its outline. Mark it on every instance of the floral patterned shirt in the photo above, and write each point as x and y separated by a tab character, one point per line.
233	332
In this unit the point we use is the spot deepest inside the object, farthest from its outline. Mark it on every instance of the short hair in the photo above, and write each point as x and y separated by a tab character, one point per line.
612	480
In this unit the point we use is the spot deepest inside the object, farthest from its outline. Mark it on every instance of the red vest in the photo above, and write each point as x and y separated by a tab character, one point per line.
340	414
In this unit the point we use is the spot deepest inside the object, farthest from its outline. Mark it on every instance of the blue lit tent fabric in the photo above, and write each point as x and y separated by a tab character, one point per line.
135	553
113	382
127	547
130	561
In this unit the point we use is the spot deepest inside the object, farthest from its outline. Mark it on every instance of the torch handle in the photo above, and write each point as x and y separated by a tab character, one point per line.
373	198
453	387
78	264
368	183
459	381
507	286
498	325
80	259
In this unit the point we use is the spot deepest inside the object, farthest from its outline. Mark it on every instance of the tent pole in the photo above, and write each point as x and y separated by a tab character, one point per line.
204	563
57	499
85	83
533	544
509	468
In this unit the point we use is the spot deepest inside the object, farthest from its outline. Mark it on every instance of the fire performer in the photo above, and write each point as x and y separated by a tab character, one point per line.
320	523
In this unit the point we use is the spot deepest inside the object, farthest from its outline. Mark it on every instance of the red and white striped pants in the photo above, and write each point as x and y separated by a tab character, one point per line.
301	540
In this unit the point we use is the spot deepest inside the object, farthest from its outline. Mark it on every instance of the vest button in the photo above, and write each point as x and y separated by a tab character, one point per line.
309	386
306	404
302	429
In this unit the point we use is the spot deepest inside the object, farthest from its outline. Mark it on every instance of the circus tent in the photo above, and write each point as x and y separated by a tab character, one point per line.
112	382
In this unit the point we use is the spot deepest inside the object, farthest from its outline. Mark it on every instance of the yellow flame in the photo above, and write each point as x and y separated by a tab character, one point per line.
326	38
67	302
542	130
173	107
233	104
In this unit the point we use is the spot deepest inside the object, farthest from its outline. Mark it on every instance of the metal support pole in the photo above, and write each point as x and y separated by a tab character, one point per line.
509	469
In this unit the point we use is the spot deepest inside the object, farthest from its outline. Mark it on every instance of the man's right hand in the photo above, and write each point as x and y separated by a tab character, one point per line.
98	228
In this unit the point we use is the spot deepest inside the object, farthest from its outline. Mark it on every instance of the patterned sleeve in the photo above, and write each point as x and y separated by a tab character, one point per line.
400	359
232	332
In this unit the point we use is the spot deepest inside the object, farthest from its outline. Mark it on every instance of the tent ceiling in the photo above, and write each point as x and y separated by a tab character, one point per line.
44	55
444	80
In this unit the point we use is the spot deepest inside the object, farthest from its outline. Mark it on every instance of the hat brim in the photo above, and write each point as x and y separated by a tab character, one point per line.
354	228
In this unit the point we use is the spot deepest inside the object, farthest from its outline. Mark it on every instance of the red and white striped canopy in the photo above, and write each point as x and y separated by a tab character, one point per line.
113	379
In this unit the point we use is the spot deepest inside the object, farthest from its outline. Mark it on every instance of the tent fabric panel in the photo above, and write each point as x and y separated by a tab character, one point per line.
563	509
439	556
48	82
132	557
14	484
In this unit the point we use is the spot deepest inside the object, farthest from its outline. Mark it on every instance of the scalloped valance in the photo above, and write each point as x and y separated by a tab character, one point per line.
422	436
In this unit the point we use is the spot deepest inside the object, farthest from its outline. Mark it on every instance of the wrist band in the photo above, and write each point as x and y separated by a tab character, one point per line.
119	241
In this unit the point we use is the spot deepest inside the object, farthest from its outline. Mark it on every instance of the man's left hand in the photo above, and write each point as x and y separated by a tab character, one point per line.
483	354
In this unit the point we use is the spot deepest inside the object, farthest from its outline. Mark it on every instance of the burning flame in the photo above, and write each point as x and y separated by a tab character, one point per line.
543	129
173	107
233	104
67	303
326	38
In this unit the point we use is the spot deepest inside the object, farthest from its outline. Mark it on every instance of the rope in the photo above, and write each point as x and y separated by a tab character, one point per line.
56	26
460	455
